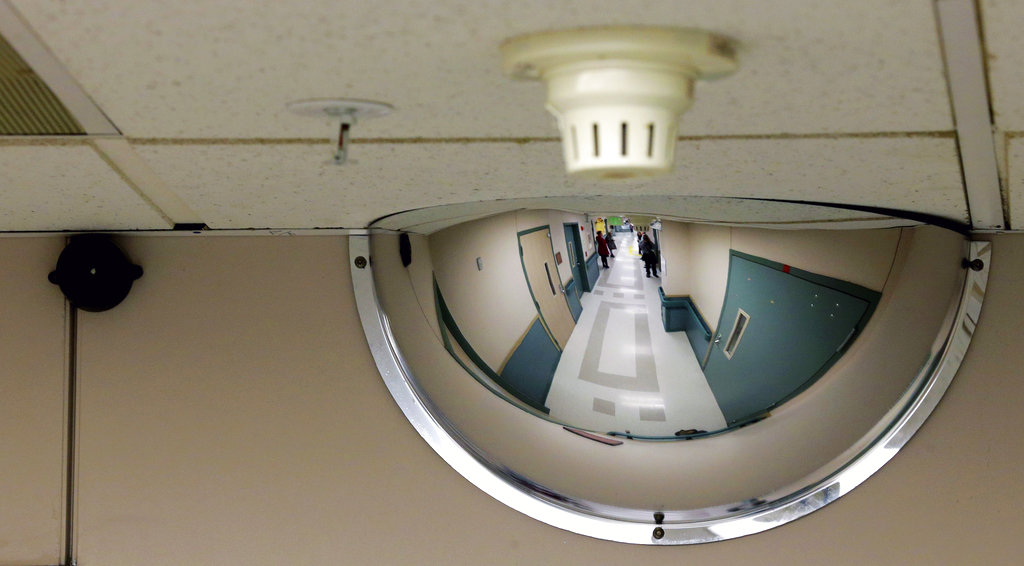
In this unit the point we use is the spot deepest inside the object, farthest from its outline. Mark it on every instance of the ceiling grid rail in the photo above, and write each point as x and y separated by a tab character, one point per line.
962	49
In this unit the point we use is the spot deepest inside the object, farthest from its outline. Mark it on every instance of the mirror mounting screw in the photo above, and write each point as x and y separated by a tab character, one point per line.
361	262
974	265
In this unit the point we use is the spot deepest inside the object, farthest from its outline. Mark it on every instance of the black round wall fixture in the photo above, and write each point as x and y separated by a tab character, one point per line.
93	273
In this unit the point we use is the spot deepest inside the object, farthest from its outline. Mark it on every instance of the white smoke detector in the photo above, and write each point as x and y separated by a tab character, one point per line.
618	92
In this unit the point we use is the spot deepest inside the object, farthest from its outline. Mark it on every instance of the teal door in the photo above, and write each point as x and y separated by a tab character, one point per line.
777	333
575	289
575	249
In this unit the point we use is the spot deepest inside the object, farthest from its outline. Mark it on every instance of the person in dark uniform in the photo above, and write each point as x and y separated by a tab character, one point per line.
649	255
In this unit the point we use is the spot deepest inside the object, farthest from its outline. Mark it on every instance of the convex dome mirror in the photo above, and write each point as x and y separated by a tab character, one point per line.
776	355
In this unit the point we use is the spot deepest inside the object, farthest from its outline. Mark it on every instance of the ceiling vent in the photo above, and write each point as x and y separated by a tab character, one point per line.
27	106
618	92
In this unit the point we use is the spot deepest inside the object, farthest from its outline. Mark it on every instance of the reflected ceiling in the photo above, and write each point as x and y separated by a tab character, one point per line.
752	213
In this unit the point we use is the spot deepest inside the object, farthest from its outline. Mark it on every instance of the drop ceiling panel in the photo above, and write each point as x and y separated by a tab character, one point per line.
1015	182
67	186
195	69
1004	45
294	186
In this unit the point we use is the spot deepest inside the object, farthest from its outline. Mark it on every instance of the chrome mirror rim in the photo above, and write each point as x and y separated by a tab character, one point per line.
827	484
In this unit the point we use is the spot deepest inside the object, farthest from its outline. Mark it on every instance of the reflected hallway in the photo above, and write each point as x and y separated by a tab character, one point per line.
620	371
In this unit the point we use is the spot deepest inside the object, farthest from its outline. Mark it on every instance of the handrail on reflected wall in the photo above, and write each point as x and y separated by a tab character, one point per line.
755	515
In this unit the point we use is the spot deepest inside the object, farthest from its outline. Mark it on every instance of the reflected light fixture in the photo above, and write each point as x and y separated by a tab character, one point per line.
618	92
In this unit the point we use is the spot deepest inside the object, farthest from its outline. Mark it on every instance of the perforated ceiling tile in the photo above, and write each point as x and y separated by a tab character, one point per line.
298	186
907	173
1015	182
1005	47
294	186
197	69
67	187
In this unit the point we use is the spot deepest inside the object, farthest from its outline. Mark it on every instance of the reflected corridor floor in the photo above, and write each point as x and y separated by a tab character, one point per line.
620	370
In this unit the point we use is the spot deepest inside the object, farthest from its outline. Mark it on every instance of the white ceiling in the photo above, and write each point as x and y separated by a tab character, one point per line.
55	182
835	101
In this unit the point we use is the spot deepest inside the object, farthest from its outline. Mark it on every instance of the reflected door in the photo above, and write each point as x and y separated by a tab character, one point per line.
575	248
575	288
777	333
545	286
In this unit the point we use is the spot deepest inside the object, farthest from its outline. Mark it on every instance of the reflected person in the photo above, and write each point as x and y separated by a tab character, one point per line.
602	249
649	255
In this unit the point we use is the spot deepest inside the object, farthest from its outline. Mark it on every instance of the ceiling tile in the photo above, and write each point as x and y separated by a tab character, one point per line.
1004	45
1015	182
55	186
196	69
295	186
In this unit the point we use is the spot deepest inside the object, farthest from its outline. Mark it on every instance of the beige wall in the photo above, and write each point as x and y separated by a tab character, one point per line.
418	276
862	257
708	269
225	422
675	257
493	307
33	373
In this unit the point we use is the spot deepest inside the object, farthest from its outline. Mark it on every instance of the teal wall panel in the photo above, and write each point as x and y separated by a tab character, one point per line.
572	296
680	314
531	368
593	270
450	331
674	312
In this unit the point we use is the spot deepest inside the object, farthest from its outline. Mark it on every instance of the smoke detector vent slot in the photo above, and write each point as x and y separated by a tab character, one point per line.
605	82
